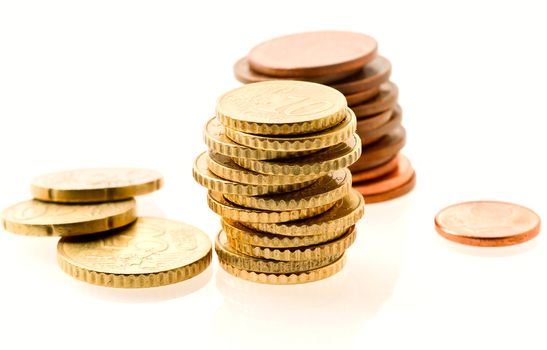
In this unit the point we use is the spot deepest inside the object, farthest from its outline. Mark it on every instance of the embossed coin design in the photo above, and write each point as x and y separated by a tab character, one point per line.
487	223
149	253
95	185
36	218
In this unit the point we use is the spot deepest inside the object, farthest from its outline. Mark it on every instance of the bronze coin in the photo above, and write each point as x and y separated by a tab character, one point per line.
376	172
362	96
380	151
487	223
246	75
397	192
386	99
388	182
372	74
374	135
313	54
370	123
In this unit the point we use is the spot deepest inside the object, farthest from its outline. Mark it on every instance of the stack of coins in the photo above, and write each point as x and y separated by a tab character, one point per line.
349	63
102	240
276	170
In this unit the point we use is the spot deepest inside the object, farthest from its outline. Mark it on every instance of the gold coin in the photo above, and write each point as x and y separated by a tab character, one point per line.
227	254
225	167
237	231
36	218
225	208
287	278
335	221
281	108
151	252
333	248
208	179
217	141
327	189
309	142
95	185
333	158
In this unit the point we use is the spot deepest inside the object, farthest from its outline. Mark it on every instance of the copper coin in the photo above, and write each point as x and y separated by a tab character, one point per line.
380	151
373	122
313	54
487	223
374	135
386	99
397	192
388	182
376	172
246	75
372	74
362	96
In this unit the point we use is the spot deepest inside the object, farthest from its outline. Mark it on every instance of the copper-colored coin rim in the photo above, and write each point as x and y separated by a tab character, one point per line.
398	192
374	135
376	172
382	102
362	96
378	153
397	178
361	81
373	122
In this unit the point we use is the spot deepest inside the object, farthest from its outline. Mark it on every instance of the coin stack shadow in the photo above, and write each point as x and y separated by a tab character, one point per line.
288	211
381	173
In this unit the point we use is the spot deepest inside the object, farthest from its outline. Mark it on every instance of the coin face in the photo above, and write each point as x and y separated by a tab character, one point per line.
487	223
312	54
36	218
133	254
95	185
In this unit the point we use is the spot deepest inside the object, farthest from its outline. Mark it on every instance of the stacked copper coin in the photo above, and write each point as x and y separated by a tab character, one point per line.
349	63
276	170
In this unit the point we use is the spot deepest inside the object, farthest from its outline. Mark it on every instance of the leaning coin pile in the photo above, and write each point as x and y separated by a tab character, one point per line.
102	240
276	170
349	63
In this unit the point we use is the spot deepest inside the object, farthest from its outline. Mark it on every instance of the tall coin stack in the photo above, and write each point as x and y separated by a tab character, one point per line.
276	170
349	63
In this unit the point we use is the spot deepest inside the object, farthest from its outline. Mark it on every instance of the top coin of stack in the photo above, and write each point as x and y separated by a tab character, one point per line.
348	62
276	174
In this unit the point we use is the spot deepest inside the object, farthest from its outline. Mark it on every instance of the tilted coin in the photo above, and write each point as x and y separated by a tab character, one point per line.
286	278
374	135
345	213
392	194
335	247
376	172
151	252
37	218
327	189
225	208
333	158
362	96
228	255
373	122
281	107
95	185
372	74
398	177
380	151
225	167
308	142
386	99
208	179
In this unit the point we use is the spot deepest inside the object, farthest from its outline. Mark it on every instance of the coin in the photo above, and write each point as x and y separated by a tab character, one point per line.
335	247
396	192
319	163
345	213
287	278
328	189
380	151
37	218
487	223
365	125
395	179
220	205
376	172
95	185
386	99
151	252
374	135
372	74
281	107
312	54
308	142
362	96
228	255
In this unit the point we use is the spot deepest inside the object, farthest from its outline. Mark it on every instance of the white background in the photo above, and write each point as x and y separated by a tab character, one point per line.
112	83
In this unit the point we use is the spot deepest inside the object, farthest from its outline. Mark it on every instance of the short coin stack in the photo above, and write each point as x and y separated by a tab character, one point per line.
277	174
348	62
102	240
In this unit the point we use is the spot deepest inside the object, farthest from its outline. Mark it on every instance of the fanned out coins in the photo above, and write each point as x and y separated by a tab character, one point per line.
276	170
348	62
102	240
